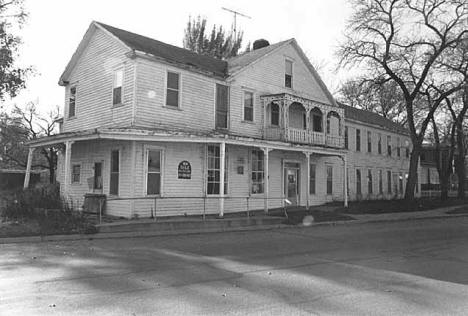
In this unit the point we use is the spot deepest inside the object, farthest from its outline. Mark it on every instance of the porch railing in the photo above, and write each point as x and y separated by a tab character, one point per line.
302	136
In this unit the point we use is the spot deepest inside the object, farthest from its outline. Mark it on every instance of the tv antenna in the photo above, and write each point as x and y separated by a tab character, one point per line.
236	13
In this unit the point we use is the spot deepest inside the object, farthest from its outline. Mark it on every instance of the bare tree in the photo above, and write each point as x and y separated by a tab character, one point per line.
405	41
25	124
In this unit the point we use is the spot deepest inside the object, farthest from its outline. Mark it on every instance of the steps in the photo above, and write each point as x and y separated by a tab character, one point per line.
188	225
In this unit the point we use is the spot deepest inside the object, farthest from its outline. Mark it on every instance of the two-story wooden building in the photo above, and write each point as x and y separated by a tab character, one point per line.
157	128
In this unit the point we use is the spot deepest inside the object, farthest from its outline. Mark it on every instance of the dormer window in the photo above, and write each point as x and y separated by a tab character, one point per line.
72	102
172	89
117	87
288	74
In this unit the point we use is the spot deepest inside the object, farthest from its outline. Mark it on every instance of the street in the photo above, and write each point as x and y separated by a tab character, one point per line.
417	267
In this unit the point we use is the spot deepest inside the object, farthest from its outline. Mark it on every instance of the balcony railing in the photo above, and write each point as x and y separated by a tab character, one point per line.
302	136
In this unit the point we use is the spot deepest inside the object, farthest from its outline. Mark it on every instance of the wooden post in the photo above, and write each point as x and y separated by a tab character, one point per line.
308	179
27	176
68	148
133	176
345	180
222	167
266	175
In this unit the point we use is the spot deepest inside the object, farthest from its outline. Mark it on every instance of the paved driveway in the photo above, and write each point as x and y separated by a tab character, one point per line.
409	267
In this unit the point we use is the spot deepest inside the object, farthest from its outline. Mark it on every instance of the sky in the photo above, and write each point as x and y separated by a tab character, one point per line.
55	28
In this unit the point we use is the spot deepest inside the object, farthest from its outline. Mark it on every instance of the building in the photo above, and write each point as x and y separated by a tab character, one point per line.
157	128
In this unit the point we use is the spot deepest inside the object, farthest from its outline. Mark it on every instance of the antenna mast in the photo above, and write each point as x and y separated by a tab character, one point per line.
236	13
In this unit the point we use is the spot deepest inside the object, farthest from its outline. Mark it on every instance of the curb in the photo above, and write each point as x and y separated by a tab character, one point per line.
142	234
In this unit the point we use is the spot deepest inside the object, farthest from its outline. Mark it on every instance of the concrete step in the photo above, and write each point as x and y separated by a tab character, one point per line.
187	224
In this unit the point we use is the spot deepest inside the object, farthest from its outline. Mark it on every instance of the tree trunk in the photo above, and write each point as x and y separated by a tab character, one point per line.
460	164
413	171
444	186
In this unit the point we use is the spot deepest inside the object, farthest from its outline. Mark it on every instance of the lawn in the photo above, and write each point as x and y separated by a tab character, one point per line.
395	206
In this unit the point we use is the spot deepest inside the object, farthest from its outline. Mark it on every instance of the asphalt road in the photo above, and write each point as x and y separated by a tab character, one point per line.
415	267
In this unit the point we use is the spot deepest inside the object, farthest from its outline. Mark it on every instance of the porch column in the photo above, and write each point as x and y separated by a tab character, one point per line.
345	180
133	173
266	175
307	154
27	176
222	155
68	148
265	105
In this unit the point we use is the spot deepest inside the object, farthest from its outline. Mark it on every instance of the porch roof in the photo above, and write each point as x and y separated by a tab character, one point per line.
164	135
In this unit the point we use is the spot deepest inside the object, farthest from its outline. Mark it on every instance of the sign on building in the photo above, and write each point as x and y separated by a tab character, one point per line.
185	170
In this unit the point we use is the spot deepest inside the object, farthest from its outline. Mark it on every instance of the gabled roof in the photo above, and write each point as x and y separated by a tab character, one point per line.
168	52
238	62
372	119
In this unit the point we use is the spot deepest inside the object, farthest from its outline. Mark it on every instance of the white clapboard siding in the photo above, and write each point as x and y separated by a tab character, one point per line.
93	77
364	160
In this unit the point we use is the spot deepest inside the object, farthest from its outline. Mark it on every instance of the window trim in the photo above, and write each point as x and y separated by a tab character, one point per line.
79	175
73	86
119	149
244	91
286	60
251	171
146	149
179	94
120	68
226	168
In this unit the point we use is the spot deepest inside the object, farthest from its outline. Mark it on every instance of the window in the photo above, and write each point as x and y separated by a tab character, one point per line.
398	147
380	182
222	106
312	179
97	181
369	141
117	87
248	106
274	114
288	74
257	171
346	137
114	172
389	181
370	185
358	140
153	177
358	182
428	176
214	170
389	145
72	102
76	171
379	144
329	180
400	182
407	150
172	89
316	120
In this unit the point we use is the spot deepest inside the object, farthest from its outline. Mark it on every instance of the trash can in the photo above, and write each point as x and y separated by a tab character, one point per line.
94	203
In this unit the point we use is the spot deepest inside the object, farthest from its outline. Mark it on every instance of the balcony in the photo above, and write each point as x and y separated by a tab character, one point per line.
301	121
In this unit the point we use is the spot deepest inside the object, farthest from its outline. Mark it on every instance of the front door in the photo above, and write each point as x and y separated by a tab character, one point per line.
291	185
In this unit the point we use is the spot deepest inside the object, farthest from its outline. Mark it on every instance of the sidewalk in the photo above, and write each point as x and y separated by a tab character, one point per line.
230	225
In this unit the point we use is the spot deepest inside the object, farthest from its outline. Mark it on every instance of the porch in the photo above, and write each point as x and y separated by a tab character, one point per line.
298	120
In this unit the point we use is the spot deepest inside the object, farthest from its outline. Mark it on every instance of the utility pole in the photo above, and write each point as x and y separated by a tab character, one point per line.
236	13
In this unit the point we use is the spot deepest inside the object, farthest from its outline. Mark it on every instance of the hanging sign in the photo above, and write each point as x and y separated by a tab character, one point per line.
185	170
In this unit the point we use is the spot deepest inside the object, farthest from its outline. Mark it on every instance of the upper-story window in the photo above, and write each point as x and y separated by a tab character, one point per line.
346	137
222	106
407	149
172	89
379	144
248	106
369	141
358	139
72	102
398	149
274	114
117	87
288	74
389	145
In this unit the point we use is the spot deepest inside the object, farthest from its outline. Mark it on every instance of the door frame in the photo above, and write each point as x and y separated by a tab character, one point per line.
298	180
